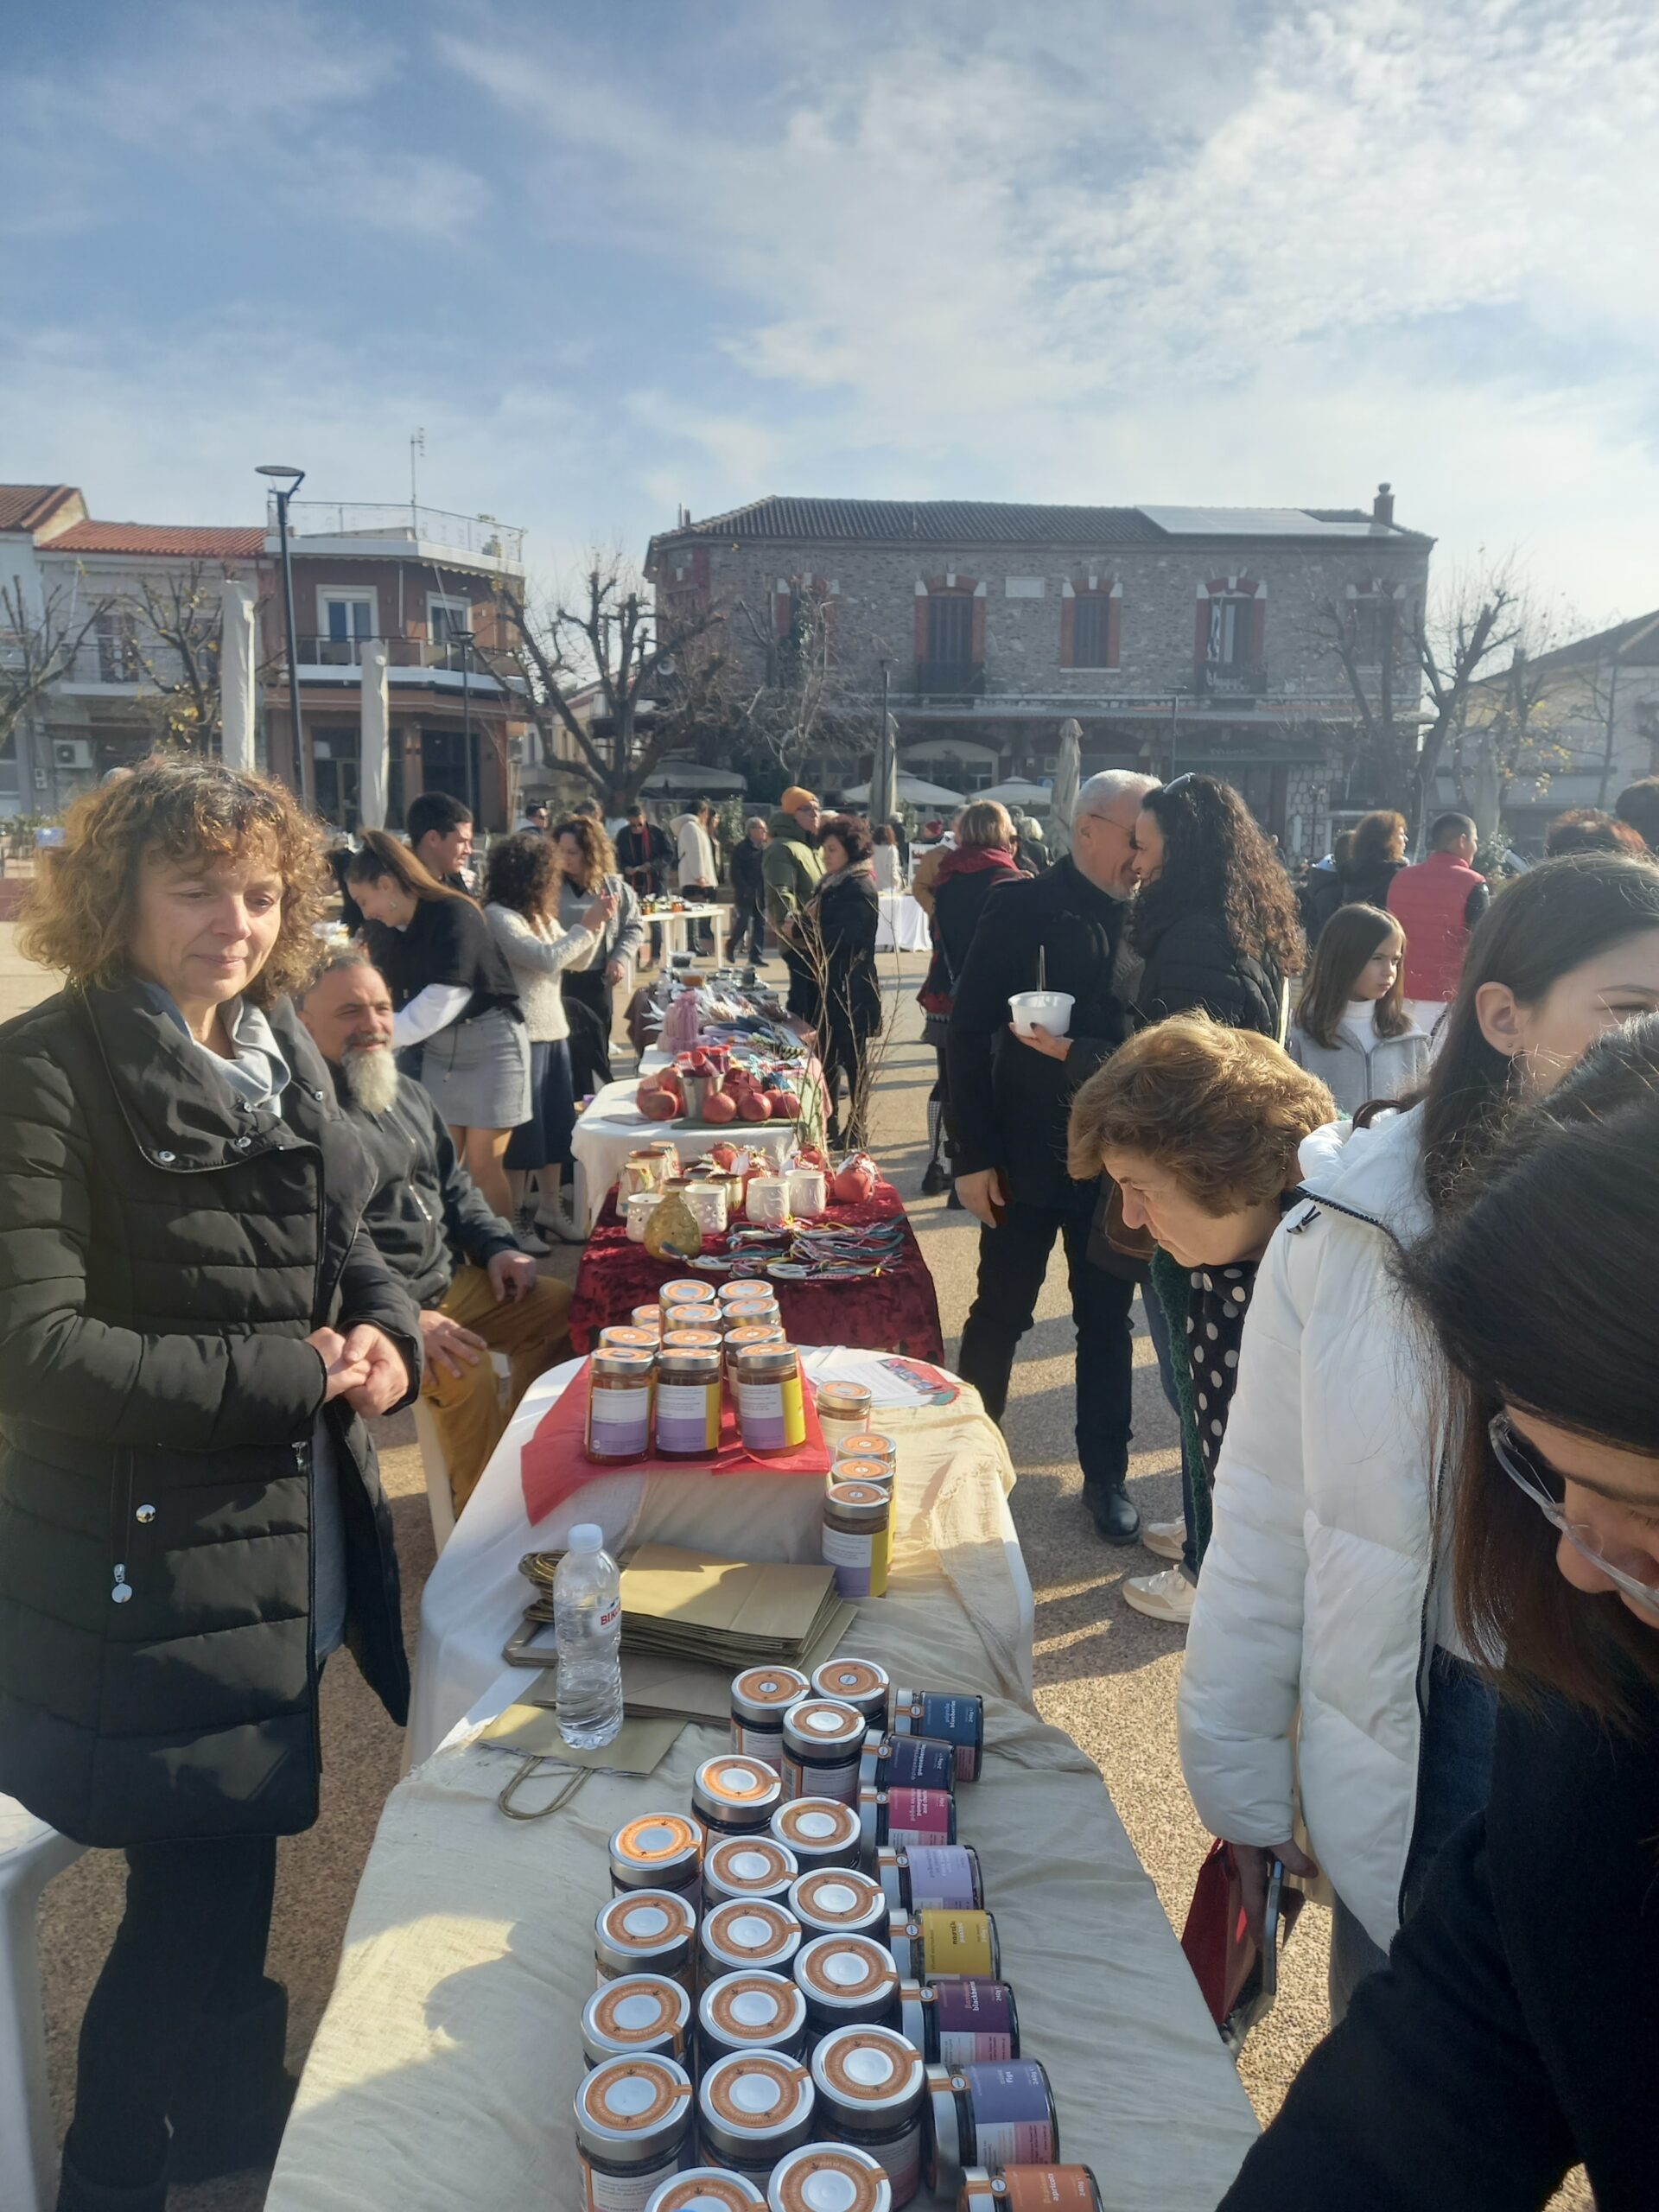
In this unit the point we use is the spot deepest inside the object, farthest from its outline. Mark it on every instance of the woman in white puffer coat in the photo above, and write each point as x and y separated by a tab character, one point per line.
1322	1592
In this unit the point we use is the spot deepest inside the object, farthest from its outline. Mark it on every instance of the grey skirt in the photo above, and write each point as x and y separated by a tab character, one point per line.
477	1073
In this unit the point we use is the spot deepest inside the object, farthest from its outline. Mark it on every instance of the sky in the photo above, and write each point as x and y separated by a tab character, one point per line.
616	258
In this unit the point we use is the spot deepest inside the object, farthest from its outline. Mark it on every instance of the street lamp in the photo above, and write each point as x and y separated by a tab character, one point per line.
288	482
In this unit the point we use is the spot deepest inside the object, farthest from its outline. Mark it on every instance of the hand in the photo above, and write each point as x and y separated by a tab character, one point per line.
1054	1048
513	1276
615	971
600	911
387	1379
341	1373
446	1344
980	1193
1255	1863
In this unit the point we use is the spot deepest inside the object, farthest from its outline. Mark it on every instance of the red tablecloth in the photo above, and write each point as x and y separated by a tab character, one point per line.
896	1310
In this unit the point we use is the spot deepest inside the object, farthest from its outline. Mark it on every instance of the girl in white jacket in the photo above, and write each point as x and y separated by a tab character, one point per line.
1351	1027
1322	1592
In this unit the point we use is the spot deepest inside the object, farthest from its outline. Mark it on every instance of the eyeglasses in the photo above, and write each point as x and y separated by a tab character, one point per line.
1525	1474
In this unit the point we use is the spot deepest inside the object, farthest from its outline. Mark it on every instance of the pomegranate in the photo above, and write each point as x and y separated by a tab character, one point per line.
656	1104
855	1179
755	1106
785	1106
720	1106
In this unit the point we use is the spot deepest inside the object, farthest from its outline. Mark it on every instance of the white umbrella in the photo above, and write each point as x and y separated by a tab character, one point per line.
374	742
1017	791
237	671
692	776
912	788
1063	802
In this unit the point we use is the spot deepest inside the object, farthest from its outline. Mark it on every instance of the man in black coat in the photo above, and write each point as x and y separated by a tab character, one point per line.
749	891
477	1292
1010	1098
644	855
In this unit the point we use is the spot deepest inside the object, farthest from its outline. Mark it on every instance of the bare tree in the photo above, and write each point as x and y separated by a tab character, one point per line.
1510	728
38	649
657	672
804	705
176	621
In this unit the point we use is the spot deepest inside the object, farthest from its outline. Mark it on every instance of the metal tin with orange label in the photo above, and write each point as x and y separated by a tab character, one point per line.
831	2174
823	1741
847	1981
761	1696
748	1866
649	1318
637	2015
750	2012
838	1901
632	2117
734	1795
747	1933
624	1337
820	1830
658	1851
688	1339
753	2108
872	2090
1029	2189
708	2189
690	1317
646	1931
858	1682
686	1290
868	1443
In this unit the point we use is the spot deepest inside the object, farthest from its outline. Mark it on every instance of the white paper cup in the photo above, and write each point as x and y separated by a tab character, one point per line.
1049	1010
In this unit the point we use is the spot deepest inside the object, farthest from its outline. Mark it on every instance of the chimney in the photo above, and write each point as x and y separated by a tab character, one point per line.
1382	506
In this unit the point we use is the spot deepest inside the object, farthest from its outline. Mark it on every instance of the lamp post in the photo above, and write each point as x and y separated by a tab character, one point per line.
287	482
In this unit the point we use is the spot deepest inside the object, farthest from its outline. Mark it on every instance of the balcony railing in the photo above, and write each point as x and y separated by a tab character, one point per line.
1231	679
450	654
480	537
960	679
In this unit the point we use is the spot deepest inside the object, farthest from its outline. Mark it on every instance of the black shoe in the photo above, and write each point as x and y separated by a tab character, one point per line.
233	2101
76	2193
934	1179
1116	1521
953	1204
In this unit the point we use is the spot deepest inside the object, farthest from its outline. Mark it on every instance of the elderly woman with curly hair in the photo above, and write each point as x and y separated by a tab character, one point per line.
191	1519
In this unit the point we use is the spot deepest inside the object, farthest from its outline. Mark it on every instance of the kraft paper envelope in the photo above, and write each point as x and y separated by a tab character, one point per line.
725	1611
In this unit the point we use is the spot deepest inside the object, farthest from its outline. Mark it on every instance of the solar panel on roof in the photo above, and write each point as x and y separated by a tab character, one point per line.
1250	522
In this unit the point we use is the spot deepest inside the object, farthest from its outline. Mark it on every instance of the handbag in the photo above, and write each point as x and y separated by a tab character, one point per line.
1237	1978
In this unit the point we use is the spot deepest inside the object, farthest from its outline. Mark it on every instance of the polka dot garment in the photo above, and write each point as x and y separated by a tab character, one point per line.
1221	1296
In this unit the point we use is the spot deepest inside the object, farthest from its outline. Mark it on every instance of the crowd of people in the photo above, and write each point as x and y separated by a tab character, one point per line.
1387	1203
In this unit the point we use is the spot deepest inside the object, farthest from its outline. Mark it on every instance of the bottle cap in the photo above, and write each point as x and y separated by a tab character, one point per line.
586	1536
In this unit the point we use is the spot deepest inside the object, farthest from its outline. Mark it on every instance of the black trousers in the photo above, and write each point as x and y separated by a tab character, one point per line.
1013	1261
751	922
843	1051
184	1980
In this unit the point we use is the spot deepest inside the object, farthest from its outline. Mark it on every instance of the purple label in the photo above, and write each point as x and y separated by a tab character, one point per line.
1013	2119
974	2020
942	1875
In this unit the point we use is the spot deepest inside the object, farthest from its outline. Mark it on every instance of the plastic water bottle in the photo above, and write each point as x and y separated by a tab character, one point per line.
588	1630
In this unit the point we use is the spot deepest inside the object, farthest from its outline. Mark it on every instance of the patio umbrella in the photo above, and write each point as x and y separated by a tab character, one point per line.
1019	791
373	742
692	776
884	782
911	787
1063	803
236	674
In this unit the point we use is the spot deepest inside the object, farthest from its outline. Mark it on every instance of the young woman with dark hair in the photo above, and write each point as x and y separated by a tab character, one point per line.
1215	919
838	930
968	872
1351	1027
1514	2033
1324	1590
456	999
587	873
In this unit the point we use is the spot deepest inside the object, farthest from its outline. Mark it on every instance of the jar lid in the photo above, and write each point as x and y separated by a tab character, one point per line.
813	1827
829	2178
869	1444
691	1340
647	1316
621	1363
688	1291
847	1972
814	1727
747	1866
756	2097
645	1923
633	2109
732	1782
619	1336
845	1400
657	1843
688	1363
831	1897
757	2008
690	1317
942	2083
750	1336
868	2073
762	1693
859	1682
635	2011
706	2189
859	1502
875	1473
750	1932
767	1361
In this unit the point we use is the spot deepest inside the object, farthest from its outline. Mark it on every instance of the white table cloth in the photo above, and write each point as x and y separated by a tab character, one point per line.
613	1126
901	926
443	2069
677	929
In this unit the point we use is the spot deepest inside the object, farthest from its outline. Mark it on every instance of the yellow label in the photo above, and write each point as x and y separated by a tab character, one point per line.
956	1942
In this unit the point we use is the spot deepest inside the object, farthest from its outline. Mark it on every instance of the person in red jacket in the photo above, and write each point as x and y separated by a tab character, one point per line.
1437	903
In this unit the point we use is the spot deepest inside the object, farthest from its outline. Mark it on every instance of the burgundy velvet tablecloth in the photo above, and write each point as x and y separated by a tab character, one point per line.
896	1310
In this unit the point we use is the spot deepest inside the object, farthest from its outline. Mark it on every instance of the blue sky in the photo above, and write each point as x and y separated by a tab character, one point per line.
614	257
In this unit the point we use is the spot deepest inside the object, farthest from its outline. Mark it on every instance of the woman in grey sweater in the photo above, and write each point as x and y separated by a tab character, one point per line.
1351	1028
586	868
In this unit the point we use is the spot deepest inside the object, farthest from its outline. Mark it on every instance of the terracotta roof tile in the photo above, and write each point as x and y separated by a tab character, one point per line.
180	541
23	506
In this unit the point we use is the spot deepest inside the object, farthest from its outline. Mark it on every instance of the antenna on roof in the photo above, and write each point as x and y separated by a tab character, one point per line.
417	444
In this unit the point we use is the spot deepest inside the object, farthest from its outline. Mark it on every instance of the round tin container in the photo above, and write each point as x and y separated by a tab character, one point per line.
747	1866
736	1795
750	2012
632	2117
623	1338
999	2114
702	1340
945	1874
844	1410
649	1318
744	1332
934	1946
830	2177
896	1761
903	1816
689	1317
952	1718
847	1981
658	1851
752	2108
742	1935
1029	2189
837	1901
735	1294
858	1682
857	1518
823	1741
685	1290
960	2022
820	1830
646	1931
760	1697
868	1443
708	2189
877	1471
638	2016
872	2090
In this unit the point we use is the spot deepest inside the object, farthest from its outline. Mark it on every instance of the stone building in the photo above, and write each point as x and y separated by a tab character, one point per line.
1179	638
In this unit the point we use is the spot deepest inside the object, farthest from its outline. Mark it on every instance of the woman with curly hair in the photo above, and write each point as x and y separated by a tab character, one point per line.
191	1520
1214	920
587	872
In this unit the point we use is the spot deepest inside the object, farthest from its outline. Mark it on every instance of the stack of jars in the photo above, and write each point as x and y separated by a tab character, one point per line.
657	1385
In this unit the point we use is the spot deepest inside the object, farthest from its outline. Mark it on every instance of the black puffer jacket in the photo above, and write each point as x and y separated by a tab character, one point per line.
164	1249
1194	964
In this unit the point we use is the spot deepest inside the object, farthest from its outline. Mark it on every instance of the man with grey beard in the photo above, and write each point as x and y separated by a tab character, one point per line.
477	1292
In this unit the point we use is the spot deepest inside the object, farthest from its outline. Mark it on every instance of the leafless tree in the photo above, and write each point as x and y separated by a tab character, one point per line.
38	649
657	672
1511	727
176	627
805	704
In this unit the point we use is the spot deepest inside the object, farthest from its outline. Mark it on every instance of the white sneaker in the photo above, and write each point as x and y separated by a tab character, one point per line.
1164	1539
1165	1597
525	1230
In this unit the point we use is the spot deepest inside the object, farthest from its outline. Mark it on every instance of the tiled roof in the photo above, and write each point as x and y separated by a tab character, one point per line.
22	506
186	541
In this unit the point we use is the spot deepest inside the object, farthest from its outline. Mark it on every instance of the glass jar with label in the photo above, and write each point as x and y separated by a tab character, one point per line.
746	1936
878	1472
935	1946
995	2114
903	1816
620	1385
690	1317
829	2174
960	2022
734	1795
743	1336
946	1875
859	1683
856	1517
952	1716
757	1304
897	1762
839	1901
708	2189
747	1866
750	2011
770	1402
637	2015
760	1695
658	1851
689	1397
633	2116
1029	2189
819	1831
823	1741
872	2089
646	1931
847	1981
844	1410
868	1444
753	2108
624	1336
